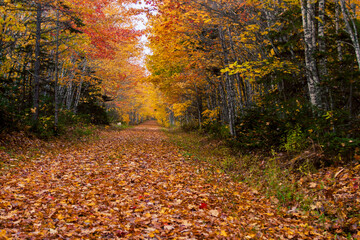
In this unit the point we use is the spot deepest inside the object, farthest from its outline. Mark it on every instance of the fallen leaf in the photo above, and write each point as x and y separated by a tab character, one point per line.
214	212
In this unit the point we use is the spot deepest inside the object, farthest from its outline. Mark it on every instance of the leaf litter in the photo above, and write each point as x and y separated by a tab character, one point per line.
135	184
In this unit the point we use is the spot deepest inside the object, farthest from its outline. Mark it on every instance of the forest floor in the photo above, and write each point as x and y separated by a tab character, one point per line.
131	184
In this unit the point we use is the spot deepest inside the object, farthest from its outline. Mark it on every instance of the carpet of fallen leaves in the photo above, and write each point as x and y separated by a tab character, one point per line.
336	198
133	184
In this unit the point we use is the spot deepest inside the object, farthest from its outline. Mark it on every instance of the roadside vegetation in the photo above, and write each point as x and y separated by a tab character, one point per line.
297	183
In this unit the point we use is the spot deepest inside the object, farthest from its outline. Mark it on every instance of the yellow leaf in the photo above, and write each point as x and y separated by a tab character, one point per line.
3	235
250	236
223	233
272	52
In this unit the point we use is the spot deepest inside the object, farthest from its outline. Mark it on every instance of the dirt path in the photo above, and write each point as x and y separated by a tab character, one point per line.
134	184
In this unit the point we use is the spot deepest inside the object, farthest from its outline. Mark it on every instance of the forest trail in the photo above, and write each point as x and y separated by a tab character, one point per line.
134	184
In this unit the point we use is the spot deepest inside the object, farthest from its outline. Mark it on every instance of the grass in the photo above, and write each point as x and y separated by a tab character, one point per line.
262	173
293	183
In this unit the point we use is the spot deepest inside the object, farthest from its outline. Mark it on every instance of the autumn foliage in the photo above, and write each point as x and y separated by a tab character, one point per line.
264	73
63	58
271	86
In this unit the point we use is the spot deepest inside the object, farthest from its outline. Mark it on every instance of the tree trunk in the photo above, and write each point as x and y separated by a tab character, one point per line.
313	81
228	84
69	95
37	64
337	28
56	97
199	106
351	29
77	97
321	35
171	117
241	85
323	72
223	105
78	93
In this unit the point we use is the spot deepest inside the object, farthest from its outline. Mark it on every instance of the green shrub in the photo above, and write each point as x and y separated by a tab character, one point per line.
45	127
260	128
191	126
337	134
94	112
67	118
295	140
217	129
82	131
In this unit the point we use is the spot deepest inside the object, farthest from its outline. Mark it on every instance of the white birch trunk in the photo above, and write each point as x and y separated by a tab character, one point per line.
230	97
313	81
351	29
337	28
321	35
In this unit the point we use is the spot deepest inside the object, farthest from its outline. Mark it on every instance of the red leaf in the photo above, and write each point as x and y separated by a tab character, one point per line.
203	206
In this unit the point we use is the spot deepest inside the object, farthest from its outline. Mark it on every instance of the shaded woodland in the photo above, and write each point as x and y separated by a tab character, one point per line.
273	75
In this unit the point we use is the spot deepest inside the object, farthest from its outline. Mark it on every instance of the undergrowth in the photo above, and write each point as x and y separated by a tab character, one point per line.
295	182
263	173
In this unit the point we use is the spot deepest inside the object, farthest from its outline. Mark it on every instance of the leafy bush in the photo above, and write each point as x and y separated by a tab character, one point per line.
191	126
217	129
81	131
293	125
113	115
337	134
6	120
94	112
260	128
295	140
45	127
67	118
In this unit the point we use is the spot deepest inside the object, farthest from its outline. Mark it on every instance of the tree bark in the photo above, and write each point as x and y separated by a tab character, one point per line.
223	105
228	84
323	72
77	97
351	29
337	28
56	97
37	63
313	81
321	35
199	106
241	85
